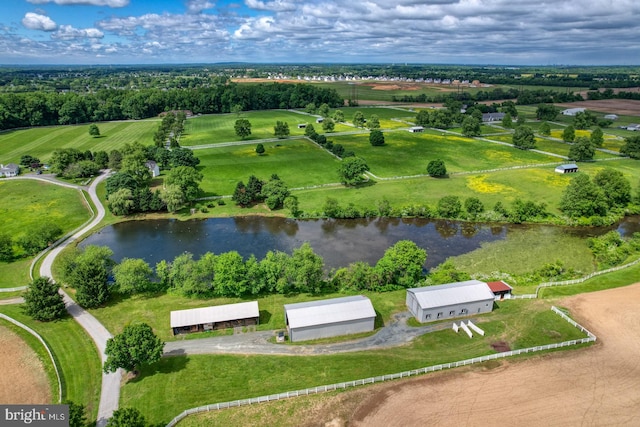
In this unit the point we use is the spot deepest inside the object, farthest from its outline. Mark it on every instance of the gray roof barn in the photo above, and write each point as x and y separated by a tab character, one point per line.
10	169
567	168
215	317
329	318
492	117
451	300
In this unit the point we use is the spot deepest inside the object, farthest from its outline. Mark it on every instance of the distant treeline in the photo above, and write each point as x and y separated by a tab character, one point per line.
610	94
524	97
52	108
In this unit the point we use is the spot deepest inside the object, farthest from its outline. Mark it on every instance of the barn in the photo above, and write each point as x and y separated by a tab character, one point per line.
440	302
329	318
215	317
568	168
416	129
500	289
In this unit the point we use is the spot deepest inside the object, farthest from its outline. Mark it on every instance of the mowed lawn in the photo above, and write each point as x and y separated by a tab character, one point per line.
406	153
42	141
298	163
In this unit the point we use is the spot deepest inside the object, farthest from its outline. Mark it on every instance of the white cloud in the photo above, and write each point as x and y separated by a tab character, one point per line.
274	6
109	3
197	6
67	32
35	21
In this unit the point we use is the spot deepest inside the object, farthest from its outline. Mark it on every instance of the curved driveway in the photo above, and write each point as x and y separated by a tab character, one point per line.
110	392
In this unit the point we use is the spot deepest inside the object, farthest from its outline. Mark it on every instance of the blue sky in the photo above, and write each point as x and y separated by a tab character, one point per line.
515	32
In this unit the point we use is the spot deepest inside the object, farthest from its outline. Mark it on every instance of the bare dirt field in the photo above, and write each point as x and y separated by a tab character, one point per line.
599	385
23	379
623	107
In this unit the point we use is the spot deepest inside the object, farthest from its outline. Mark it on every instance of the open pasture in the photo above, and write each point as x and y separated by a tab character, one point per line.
298	163
42	141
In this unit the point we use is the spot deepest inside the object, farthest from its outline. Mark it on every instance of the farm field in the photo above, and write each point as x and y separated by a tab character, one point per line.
176	383
41	142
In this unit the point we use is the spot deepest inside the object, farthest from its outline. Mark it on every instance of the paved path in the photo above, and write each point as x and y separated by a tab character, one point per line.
395	334
9	301
110	392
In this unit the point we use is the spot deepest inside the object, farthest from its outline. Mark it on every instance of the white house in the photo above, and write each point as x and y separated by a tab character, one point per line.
9	170
492	117
573	111
611	117
153	168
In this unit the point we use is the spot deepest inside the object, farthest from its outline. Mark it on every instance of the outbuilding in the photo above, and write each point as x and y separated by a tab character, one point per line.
215	317
500	289
448	301
9	170
568	168
573	111
329	318
416	129
611	117
492	117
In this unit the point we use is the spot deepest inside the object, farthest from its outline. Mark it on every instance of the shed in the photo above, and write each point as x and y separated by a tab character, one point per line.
573	111
416	129
329	318
633	127
492	117
568	168
500	289
9	170
319	120
215	317
611	117
451	300
302	125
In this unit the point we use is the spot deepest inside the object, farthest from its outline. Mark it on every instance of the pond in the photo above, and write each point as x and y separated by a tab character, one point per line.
339	242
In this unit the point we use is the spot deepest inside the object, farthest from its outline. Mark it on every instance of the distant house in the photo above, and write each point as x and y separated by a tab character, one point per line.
9	170
302	125
187	113
500	289
611	117
568	168
492	117
319	120
153	168
215	317
416	129
573	111
633	127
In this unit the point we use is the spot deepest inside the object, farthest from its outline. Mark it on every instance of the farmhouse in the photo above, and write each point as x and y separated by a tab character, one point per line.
416	129
611	117
573	111
153	168
500	289
451	300
568	168
492	117
215	317
329	318
633	127
9	170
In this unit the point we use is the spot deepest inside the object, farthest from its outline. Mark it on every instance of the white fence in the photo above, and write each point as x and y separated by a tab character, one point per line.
35	334
381	378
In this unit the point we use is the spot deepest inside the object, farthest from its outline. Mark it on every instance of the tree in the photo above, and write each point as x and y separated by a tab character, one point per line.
291	203
101	159
81	169
39	237
274	192
243	128
473	206
471	127
281	129
310	131
373	122
6	247
402	264
328	125
310	108
507	121
545	129
449	206
351	170
87	271
254	188
173	197
121	202
583	198
338	116
524	138
436	168
230	278
118	181
183	157
241	196
135	164
94	131
584	120
423	118
42	301
521	120
569	134
260	149
77	415
29	161
597	137
358	119
132	275
631	147
447	272
115	160
376	138
187	178
546	112
137	345
323	110
582	150
616	188
127	417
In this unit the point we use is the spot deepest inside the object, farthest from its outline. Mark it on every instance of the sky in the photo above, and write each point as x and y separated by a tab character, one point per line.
502	32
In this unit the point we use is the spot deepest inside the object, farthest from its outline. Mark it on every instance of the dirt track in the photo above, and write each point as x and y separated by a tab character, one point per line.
23	379
623	107
595	386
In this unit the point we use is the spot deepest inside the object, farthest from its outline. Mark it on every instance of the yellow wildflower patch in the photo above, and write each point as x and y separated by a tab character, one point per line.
479	184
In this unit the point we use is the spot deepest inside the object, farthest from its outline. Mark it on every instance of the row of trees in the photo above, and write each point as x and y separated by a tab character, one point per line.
273	192
34	240
51	108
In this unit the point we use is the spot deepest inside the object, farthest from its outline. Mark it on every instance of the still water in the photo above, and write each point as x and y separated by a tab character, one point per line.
339	242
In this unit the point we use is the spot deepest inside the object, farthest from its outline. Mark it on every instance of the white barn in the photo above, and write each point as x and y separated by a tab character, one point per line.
441	302
329	318
573	111
215	317
567	168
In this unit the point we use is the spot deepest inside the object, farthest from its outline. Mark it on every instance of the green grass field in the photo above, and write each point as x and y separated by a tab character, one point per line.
75	354
176	383
41	142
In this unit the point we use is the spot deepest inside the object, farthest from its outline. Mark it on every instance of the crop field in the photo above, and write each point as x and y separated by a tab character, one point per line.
41	142
297	162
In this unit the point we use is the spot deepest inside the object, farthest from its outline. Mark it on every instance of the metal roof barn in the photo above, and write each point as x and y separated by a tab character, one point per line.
215	317
329	318
451	300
